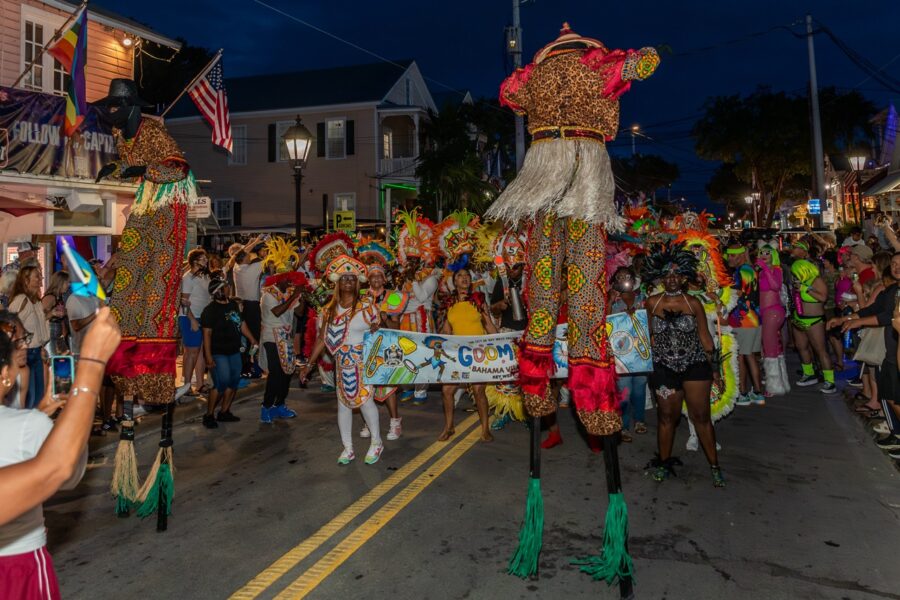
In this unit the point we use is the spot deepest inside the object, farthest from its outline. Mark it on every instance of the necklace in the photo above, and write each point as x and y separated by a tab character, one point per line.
668	293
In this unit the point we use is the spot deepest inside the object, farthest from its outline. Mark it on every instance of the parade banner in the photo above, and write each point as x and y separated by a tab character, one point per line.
32	140
393	357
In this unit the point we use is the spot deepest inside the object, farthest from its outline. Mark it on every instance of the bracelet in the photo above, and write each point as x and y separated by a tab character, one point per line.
95	360
83	390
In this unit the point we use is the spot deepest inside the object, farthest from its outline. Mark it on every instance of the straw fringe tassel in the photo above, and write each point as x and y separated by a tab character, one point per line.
125	481
161	477
614	563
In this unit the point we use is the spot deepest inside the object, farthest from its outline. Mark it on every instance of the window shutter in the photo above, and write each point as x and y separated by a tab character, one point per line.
273	147
236	213
351	146
320	139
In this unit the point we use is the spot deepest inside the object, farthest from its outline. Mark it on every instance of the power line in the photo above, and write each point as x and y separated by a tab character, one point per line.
864	64
740	40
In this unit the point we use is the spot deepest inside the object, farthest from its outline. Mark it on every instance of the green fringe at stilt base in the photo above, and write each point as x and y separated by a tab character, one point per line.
165	482
123	506
524	562
614	563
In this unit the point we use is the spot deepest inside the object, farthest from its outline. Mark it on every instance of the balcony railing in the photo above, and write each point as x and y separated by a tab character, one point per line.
399	167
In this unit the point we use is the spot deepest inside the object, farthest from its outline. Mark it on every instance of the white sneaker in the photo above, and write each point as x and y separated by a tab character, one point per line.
364	432
395	430
138	411
346	456
881	427
374	453
693	444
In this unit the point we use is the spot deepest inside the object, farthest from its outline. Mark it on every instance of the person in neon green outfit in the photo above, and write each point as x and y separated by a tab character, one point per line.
808	323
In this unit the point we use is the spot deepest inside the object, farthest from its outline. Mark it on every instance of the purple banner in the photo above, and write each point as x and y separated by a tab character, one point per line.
32	140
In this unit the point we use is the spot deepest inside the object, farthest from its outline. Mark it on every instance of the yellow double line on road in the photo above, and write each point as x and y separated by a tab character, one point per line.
331	561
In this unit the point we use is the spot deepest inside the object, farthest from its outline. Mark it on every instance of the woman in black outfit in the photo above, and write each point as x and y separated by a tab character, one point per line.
685	361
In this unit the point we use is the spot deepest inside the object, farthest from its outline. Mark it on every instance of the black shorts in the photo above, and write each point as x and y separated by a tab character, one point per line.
888	382
663	378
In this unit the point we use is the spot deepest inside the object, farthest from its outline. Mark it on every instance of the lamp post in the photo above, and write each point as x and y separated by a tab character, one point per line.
635	129
298	140
858	163
749	201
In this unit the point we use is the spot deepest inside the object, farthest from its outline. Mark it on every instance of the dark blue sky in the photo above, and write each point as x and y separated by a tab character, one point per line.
460	44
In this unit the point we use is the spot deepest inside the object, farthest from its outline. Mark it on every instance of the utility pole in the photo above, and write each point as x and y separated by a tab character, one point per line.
514	46
815	119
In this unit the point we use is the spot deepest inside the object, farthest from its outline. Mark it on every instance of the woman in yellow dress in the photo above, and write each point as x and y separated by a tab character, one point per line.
467	314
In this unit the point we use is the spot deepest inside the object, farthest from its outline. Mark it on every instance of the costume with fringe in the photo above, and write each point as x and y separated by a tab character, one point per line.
147	289
565	192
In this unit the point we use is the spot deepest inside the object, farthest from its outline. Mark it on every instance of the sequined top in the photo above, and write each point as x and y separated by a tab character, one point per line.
676	341
577	88
154	148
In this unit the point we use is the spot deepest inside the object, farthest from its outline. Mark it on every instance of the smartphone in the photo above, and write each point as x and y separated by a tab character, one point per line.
62	370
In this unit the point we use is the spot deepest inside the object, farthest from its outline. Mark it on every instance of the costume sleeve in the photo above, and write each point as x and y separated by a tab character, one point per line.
514	92
618	68
155	149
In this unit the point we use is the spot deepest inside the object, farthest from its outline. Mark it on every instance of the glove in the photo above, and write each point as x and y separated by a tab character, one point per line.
134	171
106	171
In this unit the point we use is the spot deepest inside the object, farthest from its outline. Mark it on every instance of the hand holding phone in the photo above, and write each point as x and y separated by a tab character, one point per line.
62	372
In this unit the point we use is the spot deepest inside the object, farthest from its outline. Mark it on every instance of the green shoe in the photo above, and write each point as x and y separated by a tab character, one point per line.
346	457
718	478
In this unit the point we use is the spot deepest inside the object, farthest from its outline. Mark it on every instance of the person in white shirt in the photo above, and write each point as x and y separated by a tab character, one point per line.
279	298
420	282
855	238
194	298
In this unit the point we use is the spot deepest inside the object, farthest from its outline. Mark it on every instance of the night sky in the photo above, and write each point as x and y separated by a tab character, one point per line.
460	44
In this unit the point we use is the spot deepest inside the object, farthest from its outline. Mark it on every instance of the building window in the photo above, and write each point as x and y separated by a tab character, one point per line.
82	211
223	208
60	79
238	156
34	41
335	139
387	142
280	128
345	201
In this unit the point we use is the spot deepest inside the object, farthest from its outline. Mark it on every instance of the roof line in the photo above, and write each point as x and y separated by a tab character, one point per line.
274	112
129	27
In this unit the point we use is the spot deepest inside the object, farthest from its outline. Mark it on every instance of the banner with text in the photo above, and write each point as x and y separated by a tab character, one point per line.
32	140
393	357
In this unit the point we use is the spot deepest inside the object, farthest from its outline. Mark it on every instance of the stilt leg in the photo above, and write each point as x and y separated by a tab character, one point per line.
162	510
524	562
614	486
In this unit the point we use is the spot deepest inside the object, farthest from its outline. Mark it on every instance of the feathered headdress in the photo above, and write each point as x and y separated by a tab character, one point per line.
415	237
294	278
615	261
374	252
496	241
330	247
696	238
282	254
667	258
456	234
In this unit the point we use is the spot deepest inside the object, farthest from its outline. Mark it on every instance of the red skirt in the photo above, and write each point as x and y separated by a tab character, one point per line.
28	576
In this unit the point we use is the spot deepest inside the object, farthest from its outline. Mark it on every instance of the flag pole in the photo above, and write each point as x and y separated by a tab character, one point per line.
193	81
55	37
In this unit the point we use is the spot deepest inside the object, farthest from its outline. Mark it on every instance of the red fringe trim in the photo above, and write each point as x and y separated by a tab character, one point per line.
141	357
594	388
610	63
535	369
511	85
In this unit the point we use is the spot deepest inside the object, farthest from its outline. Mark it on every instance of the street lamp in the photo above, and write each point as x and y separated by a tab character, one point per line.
298	140
749	201
634	131
858	163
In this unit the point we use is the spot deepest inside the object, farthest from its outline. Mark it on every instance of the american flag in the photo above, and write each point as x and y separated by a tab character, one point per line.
209	96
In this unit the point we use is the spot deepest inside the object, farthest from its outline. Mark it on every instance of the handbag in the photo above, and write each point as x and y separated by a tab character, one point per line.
871	348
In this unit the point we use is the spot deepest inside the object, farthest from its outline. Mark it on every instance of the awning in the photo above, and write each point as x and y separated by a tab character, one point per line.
18	208
889	184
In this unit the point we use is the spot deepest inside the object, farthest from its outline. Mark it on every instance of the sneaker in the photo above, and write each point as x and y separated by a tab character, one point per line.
743	400
757	399
395	430
895	455
346	456
855	382
282	412
406	395
226	416
419	400
458	395
881	427
138	411
327	389
374	453
889	442
807	380
500	422
693	444
181	391
717	477
243	382
210	422
828	388
265	414
110	425
553	439
364	432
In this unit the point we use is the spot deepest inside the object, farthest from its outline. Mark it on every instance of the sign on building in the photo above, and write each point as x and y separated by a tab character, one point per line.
202	209
345	220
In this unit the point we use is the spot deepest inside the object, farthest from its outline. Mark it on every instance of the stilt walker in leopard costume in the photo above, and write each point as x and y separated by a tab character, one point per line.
146	294
565	189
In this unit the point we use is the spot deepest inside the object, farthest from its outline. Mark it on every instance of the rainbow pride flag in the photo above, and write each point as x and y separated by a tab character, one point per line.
71	51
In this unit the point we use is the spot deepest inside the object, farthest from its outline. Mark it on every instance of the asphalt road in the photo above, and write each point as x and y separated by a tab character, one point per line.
812	510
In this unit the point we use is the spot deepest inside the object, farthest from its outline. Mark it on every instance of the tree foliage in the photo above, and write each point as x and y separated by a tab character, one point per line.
450	166
765	138
643	174
160	81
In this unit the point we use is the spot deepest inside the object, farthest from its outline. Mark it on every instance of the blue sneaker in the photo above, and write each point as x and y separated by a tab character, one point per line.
242	383
281	412
406	395
500	422
265	414
327	389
